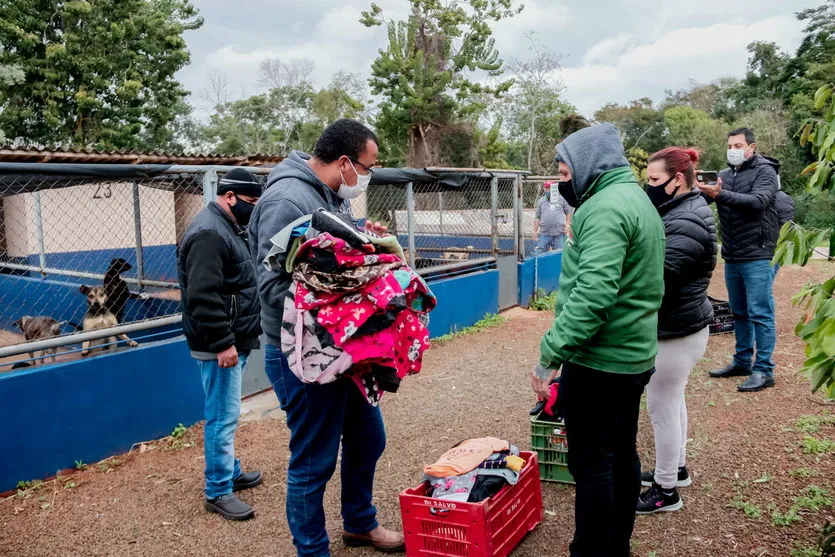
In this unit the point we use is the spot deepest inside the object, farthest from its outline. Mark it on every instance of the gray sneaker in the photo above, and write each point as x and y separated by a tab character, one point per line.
230	507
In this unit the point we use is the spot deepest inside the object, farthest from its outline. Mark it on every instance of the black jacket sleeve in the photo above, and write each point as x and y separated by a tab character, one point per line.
204	269
762	192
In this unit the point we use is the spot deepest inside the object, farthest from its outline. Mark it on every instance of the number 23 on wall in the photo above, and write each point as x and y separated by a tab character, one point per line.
103	192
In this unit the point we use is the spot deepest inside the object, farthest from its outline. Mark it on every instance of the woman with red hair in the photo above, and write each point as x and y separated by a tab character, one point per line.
682	320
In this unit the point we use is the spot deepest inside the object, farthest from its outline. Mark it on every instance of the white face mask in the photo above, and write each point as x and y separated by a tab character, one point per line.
350	192
736	156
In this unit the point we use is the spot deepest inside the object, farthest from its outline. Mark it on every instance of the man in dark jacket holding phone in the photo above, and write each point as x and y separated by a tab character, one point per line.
745	197
221	323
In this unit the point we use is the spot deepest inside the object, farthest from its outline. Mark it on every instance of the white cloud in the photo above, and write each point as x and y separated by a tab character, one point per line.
619	69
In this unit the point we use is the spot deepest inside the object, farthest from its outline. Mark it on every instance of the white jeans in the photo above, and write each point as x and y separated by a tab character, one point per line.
665	401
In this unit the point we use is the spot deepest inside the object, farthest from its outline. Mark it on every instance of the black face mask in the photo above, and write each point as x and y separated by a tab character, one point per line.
658	194
242	210
567	192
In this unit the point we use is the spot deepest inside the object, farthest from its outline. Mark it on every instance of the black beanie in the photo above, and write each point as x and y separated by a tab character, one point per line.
240	181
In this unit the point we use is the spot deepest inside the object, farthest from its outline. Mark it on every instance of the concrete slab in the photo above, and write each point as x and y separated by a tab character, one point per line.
262	406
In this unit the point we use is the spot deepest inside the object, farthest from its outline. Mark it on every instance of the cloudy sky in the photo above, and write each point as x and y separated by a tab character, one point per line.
614	50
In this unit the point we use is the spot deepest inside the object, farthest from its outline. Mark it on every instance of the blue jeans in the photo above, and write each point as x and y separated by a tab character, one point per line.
752	302
547	242
319	416
223	408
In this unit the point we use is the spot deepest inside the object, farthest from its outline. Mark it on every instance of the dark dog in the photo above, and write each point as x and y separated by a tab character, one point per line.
39	328
115	288
99	316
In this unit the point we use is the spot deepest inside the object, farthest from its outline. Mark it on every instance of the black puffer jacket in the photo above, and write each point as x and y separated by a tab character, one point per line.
688	265
219	289
746	210
784	205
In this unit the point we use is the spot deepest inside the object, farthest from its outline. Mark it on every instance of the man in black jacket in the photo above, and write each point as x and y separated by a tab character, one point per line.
222	325
745	195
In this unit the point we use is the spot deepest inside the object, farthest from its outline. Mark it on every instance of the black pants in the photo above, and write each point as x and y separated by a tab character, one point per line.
601	419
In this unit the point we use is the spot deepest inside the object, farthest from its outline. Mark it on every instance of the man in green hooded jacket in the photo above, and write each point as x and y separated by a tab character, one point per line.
605	333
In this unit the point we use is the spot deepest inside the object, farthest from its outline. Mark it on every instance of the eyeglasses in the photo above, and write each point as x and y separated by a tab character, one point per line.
367	169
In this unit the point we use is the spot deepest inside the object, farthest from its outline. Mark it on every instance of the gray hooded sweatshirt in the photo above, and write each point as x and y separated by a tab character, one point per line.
293	190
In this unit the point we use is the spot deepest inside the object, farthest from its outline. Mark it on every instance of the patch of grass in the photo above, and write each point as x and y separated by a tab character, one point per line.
108	465
33	485
750	509
765	478
801	473
812	423
70	485
812	499
79	465
179	438
800	550
489	321
813	445
543	302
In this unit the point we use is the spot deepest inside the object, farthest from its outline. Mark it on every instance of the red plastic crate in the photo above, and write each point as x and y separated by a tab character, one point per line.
491	528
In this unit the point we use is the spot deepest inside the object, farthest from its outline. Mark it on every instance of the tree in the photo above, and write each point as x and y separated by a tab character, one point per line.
640	124
536	96
97	72
289	114
795	245
688	127
424	76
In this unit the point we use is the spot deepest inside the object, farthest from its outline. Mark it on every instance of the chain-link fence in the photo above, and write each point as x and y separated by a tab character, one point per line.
69	241
62	234
441	225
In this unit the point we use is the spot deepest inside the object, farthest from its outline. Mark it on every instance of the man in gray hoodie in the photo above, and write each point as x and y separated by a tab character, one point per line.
320	416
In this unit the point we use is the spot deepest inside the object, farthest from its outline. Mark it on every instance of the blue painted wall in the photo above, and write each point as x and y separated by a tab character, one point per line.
91	409
62	301
160	261
462	301
548	270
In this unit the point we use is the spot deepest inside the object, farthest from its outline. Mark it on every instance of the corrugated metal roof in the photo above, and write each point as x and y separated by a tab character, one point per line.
90	156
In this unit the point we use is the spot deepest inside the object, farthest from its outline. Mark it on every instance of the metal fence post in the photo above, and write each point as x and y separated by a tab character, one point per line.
137	232
39	234
494	213
410	220
209	186
517	221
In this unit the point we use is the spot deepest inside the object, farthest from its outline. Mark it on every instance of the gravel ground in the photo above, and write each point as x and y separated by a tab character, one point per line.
744	447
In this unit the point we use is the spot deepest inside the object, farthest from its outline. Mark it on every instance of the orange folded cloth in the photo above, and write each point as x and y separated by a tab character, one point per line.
465	457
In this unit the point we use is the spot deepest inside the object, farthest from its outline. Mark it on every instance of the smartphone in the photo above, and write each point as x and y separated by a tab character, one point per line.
709	177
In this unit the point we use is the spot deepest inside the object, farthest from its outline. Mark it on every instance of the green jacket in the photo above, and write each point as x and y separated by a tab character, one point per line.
612	281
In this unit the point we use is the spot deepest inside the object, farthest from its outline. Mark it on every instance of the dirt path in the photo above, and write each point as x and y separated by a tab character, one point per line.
744	447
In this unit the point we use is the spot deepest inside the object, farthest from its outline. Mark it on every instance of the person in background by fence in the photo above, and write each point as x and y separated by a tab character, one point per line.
221	325
784	205
744	196
683	318
320	415
552	221
605	335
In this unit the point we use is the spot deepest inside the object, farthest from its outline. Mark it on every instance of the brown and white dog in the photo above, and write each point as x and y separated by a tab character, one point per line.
40	327
99	316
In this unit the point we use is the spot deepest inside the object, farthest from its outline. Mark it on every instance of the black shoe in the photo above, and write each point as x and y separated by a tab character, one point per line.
730	370
229	506
683	479
247	480
757	382
657	499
